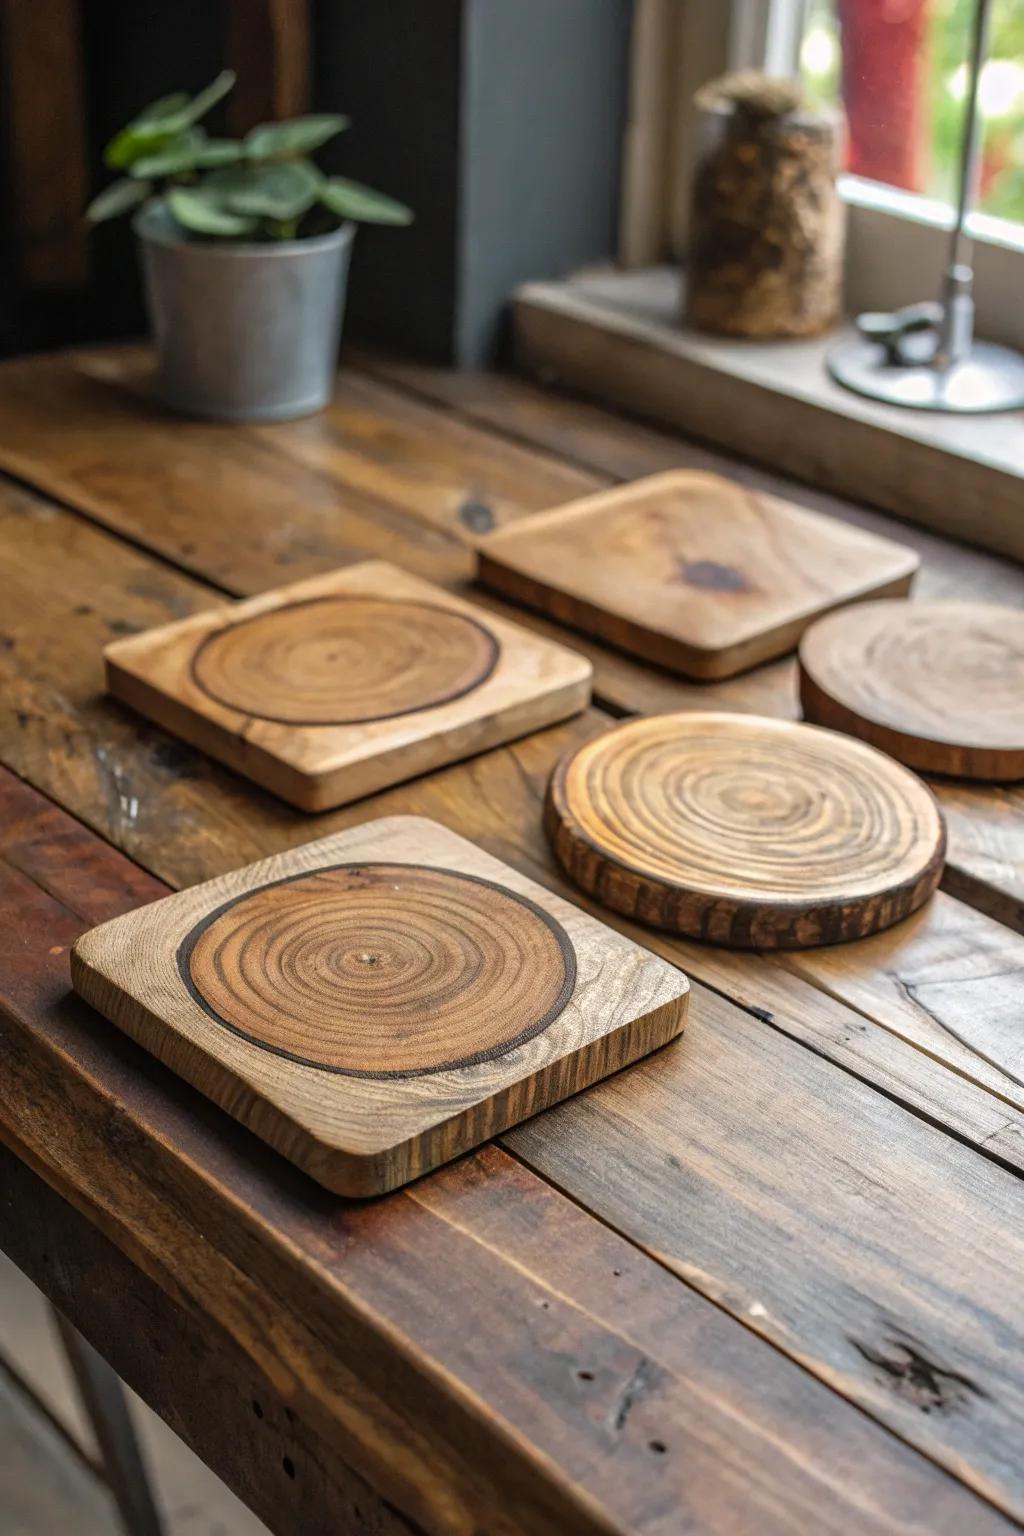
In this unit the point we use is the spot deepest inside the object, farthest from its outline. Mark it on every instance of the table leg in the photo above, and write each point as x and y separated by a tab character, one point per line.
103	1397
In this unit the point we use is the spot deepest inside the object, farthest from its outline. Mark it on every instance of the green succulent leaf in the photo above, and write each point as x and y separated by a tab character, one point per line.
181	154
208	98
283	191
164	106
136	141
202	212
226	179
298	136
163	121
116	199
190	151
217	152
351	200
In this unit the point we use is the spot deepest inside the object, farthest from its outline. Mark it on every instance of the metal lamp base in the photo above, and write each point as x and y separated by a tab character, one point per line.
990	378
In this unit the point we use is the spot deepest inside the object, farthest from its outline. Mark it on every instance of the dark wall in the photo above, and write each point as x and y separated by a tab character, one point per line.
498	121
395	67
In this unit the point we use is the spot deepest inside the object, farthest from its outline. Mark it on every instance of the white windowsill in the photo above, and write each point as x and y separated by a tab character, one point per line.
616	336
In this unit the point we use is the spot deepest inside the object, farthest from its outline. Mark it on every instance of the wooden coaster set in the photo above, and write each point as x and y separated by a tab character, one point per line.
690	571
939	686
376	1002
379	1001
744	831
342	685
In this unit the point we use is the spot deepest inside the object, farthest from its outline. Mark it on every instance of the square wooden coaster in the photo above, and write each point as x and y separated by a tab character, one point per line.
690	570
379	1001
341	685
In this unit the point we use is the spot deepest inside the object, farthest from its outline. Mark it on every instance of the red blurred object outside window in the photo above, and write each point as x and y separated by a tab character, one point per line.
898	68
884	89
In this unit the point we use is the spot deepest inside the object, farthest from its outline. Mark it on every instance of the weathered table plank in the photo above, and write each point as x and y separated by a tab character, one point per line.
899	1313
250	507
496	800
948	979
836	1225
943	990
536	1372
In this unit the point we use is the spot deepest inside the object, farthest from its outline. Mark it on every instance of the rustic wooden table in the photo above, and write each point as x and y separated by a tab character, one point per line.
771	1279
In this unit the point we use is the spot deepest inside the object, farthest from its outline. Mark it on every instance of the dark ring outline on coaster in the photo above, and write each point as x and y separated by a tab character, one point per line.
493	643
568	953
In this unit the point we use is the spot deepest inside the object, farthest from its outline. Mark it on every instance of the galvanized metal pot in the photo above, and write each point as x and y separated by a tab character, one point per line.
244	332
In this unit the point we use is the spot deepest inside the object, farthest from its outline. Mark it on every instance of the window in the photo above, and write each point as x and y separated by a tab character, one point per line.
898	69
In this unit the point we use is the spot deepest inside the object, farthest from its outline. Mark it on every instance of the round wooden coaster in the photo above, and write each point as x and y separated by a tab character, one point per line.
744	831
381	970
940	686
344	660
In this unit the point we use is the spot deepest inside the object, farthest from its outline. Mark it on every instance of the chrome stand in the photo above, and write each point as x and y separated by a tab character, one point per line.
924	356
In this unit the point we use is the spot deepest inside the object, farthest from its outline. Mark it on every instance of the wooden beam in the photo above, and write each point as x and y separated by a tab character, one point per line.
45	108
268	47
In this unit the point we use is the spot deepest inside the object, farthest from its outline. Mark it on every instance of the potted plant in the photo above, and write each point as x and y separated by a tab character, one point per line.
245	251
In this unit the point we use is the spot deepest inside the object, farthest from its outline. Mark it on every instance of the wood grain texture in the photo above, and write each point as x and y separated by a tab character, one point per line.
750	1183
939	686
344	660
169	805
381	970
377	1002
338	686
182	815
372	475
511	781
745	831
607	445
950	980
185	817
525	1405
691	571
158	800
938	1058
179	813
986	830
497	448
